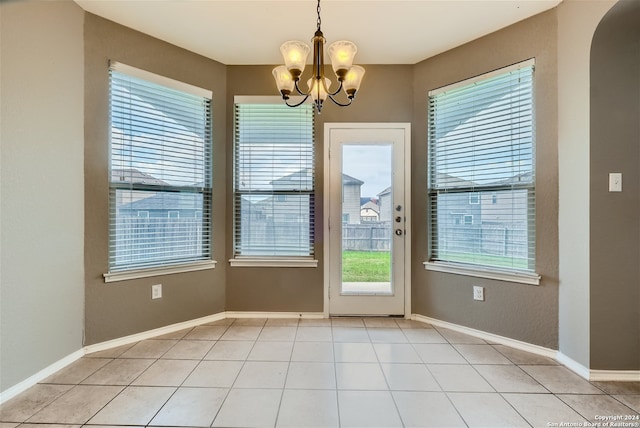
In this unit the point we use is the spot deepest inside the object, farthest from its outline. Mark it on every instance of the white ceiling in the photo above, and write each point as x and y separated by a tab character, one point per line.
243	32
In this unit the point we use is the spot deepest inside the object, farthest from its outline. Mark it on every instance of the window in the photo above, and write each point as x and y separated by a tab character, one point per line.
160	165
273	179
482	160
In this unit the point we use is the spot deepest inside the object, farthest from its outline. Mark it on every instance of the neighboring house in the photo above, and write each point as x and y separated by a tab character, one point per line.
133	176
278	216
494	220
385	200
370	211
458	209
284	207
497	207
351	189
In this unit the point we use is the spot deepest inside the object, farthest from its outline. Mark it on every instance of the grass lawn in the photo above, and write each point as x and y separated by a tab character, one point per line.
365	266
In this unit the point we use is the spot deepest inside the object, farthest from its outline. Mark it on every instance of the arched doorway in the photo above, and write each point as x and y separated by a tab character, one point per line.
615	216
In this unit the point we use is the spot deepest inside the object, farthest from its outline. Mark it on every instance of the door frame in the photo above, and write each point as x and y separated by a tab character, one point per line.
406	127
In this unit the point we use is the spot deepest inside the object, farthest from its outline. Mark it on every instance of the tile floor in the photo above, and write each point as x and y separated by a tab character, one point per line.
340	372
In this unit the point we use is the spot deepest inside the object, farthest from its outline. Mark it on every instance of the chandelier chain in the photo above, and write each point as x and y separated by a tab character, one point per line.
319	19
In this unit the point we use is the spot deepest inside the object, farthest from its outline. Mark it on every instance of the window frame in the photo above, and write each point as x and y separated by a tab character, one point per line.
165	265
240	260
527	276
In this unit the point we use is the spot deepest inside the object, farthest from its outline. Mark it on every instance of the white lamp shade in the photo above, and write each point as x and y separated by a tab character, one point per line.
318	91
283	78
353	79
341	54
295	55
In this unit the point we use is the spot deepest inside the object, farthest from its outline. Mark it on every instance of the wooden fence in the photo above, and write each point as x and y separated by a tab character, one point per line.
139	240
374	236
509	241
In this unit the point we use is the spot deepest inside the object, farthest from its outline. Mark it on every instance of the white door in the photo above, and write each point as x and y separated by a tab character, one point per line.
366	198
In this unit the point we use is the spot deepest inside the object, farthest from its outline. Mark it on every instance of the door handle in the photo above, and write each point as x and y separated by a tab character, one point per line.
398	232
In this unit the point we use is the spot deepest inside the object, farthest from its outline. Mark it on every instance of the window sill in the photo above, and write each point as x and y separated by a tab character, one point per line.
274	262
157	271
478	272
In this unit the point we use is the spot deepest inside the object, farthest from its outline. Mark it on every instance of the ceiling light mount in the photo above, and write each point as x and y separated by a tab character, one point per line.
295	54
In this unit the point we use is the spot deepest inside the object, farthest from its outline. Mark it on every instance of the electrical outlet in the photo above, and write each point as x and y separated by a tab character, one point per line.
478	293
156	291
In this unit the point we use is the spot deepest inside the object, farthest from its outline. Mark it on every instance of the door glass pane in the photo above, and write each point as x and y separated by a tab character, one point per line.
367	223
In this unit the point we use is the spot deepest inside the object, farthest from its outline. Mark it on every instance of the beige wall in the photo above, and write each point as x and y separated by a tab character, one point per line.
118	309
385	96
42	207
523	312
615	217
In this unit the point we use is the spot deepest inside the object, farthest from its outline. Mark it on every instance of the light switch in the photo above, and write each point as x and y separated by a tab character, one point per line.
615	182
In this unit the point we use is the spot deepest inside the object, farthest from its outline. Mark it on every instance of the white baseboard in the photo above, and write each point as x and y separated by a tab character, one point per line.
614	375
573	365
290	315
60	364
103	346
11	392
523	346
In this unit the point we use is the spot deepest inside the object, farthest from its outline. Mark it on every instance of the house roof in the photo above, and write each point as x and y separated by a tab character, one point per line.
371	206
347	179
448	180
132	175
173	201
385	191
524	177
303	174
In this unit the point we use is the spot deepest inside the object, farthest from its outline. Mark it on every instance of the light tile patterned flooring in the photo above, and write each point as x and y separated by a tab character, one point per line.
340	372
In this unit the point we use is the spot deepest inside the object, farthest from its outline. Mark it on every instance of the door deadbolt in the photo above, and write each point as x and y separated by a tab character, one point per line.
399	232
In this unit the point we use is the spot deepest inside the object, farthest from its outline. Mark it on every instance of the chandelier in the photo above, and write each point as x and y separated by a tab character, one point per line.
295	55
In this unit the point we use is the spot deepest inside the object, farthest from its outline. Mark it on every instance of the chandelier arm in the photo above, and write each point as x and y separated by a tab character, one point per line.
306	94
336	102
337	90
298	104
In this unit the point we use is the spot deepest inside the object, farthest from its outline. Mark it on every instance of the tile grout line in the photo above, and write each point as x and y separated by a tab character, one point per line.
455	408
187	376
335	374
275	423
384	376
239	371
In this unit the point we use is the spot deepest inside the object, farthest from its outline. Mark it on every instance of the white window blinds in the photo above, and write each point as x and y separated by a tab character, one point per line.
482	171
273	180
160	171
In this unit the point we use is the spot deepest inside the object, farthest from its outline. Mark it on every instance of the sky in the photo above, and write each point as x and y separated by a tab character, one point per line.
369	163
